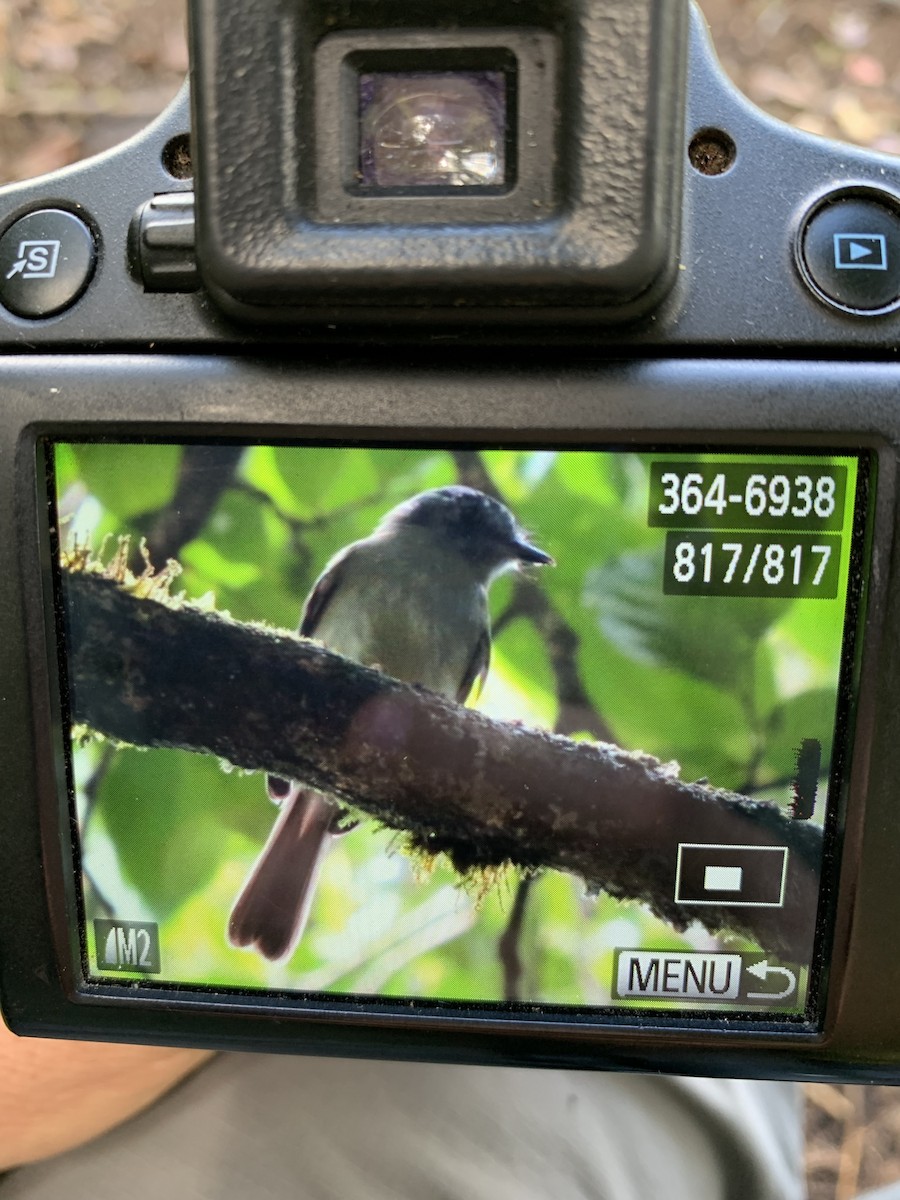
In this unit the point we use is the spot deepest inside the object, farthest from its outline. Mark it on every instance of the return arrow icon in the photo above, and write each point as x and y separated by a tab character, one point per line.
763	971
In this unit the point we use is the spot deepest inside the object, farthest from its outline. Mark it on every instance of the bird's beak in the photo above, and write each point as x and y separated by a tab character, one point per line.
526	553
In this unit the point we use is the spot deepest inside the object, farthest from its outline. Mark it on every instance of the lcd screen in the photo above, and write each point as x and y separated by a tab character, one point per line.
609	777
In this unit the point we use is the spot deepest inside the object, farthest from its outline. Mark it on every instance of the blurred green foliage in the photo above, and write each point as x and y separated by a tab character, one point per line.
728	687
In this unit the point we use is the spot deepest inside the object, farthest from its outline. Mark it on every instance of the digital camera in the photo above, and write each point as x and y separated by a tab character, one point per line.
449	605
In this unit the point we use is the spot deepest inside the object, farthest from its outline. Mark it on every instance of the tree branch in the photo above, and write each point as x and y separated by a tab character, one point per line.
484	792
204	473
508	946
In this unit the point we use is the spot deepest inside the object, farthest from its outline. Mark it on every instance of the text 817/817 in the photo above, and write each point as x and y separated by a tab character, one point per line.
739	564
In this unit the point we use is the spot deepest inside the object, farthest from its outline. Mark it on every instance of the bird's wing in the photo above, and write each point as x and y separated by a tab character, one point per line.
476	670
315	606
321	595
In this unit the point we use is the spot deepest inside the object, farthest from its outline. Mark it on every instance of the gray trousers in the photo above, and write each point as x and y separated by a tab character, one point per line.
251	1127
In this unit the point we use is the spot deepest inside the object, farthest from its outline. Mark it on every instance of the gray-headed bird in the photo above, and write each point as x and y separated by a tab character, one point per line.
412	600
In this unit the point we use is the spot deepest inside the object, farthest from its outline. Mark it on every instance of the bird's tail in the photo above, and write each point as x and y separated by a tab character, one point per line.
271	911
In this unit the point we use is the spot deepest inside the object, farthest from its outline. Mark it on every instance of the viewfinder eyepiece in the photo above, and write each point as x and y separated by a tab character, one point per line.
403	160
432	129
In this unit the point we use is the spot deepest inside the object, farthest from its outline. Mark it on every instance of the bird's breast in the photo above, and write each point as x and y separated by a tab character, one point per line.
421	627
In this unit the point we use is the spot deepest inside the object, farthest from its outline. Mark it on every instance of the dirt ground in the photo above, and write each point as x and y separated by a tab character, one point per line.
77	76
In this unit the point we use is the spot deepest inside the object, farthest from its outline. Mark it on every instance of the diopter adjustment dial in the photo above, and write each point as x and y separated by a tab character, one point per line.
163	248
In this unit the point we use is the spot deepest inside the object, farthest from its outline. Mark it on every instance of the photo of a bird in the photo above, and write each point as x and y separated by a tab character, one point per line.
412	600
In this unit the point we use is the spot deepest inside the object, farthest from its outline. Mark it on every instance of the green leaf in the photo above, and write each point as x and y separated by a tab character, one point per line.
129	479
166	810
517	473
242	557
66	468
811	630
521	674
710	638
321	480
262	468
219	570
586	475
666	712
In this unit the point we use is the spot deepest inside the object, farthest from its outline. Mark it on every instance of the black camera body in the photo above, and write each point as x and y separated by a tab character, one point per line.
547	254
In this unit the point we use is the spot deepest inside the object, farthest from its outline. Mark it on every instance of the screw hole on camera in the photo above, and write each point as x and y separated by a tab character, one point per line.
176	157
712	152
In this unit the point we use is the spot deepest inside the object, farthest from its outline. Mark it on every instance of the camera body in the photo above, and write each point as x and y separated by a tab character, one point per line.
557	259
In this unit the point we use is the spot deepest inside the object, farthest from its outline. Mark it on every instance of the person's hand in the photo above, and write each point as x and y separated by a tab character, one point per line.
55	1095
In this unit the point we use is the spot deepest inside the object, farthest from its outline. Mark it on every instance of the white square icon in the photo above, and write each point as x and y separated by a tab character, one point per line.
730	875
723	879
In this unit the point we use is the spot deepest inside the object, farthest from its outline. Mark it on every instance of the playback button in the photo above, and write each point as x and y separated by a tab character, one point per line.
849	253
47	259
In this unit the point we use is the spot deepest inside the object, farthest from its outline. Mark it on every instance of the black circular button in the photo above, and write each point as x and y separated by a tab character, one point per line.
850	251
47	259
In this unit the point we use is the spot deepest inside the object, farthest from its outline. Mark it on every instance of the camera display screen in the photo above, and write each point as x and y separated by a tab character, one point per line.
635	667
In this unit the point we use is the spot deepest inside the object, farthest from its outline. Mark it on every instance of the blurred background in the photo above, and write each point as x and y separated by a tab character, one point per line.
79	76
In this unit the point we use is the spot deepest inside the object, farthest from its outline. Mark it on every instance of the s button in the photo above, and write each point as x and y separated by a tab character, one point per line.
47	259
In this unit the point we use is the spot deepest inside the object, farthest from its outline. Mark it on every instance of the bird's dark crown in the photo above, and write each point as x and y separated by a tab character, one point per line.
477	525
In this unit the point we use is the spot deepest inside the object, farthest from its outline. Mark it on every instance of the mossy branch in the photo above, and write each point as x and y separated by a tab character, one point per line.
485	792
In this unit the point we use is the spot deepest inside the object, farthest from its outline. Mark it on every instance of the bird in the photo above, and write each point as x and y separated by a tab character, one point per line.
411	599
